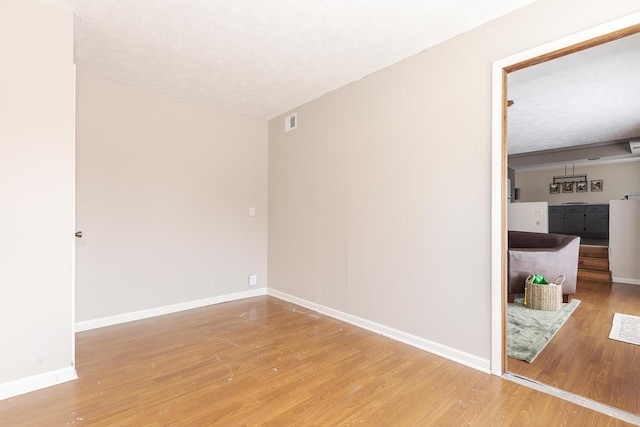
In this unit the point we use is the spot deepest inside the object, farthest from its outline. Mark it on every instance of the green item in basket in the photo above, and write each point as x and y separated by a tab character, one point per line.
539	280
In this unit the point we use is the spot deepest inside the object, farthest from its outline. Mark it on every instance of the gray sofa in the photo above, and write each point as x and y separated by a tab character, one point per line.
548	254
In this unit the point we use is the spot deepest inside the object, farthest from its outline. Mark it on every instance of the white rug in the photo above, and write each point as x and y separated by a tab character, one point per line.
625	328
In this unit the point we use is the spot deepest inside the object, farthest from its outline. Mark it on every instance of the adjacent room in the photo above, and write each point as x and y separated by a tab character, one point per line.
222	213
574	159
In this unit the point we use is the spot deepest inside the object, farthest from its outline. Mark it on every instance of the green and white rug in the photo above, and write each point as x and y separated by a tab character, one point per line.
529	331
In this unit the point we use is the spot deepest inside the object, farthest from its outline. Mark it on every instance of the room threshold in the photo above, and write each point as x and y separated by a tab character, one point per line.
578	400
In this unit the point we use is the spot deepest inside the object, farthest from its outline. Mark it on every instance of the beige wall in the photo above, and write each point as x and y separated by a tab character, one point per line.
164	188
36	193
619	179
379	203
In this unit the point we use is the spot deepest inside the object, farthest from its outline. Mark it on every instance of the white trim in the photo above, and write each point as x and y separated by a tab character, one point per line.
73	226
625	280
167	309
452	354
37	382
497	319
496	221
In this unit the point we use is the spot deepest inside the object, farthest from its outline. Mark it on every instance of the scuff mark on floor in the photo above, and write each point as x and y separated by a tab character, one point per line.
230	379
165	409
227	341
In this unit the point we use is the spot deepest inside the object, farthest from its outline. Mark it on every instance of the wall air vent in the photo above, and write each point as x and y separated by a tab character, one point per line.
291	122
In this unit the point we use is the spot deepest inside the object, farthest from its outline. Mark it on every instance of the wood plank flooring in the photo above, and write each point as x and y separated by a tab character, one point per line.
263	361
582	359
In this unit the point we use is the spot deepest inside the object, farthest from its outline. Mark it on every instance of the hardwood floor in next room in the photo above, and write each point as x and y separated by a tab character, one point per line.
582	359
263	361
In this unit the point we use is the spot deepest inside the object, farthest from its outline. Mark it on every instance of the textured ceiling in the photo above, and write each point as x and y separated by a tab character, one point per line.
260	57
589	97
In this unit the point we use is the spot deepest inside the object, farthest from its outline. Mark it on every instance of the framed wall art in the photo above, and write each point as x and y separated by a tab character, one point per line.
581	187
554	188
567	187
596	185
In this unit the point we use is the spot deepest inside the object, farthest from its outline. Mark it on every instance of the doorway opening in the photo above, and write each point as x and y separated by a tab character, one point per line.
566	46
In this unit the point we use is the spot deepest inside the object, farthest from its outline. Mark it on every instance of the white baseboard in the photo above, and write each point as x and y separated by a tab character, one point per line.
452	354
626	280
36	382
167	309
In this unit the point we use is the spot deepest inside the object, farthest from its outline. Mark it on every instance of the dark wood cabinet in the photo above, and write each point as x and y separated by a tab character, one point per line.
580	220
556	219
597	219
574	220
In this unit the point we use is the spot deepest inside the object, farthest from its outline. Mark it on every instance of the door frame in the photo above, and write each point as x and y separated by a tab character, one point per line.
595	36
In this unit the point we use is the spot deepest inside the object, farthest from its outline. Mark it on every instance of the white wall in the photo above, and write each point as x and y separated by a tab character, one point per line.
164	188
624	240
36	195
379	203
619	179
528	216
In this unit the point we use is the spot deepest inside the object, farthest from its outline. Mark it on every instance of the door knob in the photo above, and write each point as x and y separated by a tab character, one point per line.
79	234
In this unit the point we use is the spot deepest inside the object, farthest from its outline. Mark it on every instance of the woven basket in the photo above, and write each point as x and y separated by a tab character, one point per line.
544	297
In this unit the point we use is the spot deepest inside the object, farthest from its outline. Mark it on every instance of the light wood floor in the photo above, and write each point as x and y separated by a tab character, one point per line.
582	359
262	361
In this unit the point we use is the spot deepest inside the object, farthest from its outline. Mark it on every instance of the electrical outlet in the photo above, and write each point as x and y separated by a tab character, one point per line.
253	279
538	212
